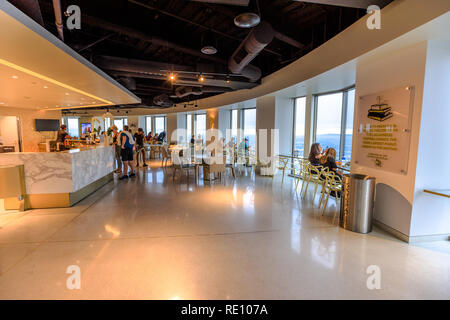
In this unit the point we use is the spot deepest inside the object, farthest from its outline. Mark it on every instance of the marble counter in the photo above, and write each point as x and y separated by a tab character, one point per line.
62	172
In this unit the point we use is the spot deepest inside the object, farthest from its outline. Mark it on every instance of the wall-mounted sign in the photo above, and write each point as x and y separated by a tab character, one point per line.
384	129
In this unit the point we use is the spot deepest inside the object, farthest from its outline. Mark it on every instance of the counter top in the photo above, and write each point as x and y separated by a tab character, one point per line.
77	150
62	172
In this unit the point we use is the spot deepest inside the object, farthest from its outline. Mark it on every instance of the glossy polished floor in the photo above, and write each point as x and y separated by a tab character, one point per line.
249	238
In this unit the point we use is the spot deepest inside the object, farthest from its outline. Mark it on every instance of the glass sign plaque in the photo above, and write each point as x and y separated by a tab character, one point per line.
384	129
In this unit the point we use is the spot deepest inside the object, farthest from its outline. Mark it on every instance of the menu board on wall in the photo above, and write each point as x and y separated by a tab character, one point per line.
384	129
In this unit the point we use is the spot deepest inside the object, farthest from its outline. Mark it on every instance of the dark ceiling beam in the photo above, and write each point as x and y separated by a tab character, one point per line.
96	41
362	4
145	37
223	34
30	8
282	37
243	3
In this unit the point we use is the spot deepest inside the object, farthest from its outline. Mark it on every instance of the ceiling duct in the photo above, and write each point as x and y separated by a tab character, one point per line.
184	91
163	100
242	3
254	43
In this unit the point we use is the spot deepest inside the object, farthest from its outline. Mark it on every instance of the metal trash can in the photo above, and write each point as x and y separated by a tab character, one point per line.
357	203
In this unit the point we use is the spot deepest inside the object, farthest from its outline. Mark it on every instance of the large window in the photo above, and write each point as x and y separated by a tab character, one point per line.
107	123
234	124
200	126
299	126
188	127
250	126
334	122
328	121
148	125
160	124
119	123
73	127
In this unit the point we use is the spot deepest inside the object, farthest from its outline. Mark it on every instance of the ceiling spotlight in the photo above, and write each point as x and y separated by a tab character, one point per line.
201	78
228	79
15	77
208	50
66	93
172	77
247	20
45	87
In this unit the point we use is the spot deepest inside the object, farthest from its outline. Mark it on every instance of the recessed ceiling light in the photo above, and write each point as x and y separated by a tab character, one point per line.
45	87
66	94
15	77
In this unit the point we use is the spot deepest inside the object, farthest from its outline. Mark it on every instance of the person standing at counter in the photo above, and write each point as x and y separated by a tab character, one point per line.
127	145
62	136
117	149
139	137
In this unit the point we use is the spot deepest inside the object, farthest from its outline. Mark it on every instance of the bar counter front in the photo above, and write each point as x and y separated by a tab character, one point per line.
61	179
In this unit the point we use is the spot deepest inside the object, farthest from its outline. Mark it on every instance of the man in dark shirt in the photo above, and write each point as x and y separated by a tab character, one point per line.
62	136
139	137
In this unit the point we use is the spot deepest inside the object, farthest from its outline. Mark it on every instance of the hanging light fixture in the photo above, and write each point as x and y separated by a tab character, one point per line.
247	20
209	43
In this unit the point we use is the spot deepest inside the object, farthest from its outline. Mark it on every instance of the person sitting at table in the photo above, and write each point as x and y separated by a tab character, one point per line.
315	154
329	161
150	136
162	137
139	137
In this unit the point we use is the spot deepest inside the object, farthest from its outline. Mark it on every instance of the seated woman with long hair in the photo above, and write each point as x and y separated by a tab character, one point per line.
315	154
329	161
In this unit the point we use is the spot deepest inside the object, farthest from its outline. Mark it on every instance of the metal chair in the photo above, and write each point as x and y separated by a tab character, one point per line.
333	183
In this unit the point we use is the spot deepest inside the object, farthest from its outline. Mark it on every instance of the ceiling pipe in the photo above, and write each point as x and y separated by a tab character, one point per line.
253	73
258	38
58	18
189	21
152	70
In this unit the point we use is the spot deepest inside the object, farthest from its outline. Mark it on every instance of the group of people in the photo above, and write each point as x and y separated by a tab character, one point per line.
157	138
325	158
126	145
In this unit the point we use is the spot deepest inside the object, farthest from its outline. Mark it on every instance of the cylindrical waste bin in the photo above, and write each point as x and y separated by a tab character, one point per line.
357	203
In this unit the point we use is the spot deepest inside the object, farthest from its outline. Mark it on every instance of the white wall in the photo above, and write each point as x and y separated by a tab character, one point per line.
431	214
284	122
380	71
